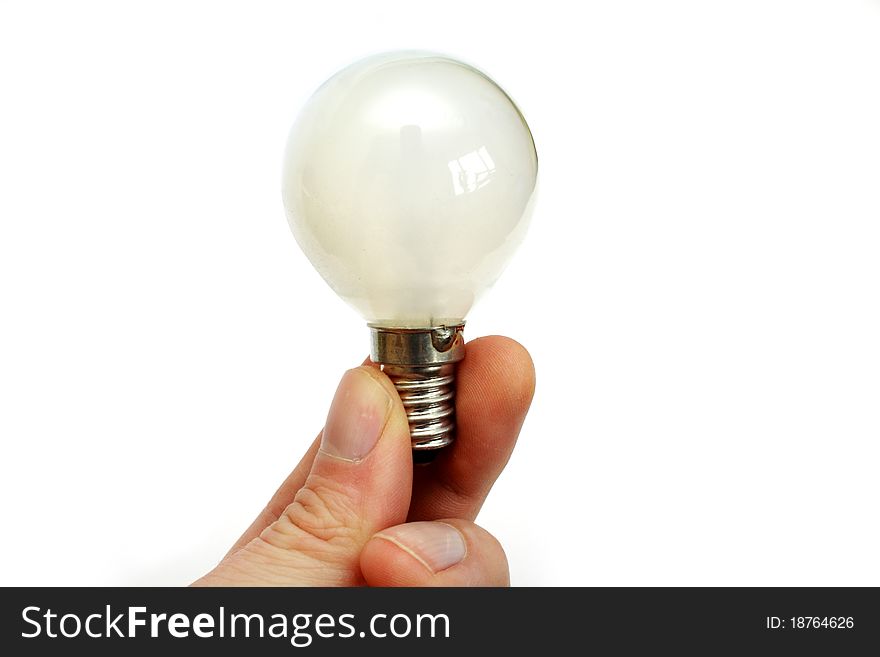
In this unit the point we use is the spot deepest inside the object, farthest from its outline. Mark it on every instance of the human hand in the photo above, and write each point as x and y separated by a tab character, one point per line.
356	512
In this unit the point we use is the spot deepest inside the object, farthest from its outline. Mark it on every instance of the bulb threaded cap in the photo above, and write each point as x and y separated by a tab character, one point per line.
421	363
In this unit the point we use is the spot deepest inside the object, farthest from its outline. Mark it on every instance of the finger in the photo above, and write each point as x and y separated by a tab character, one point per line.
440	553
284	495
495	385
359	482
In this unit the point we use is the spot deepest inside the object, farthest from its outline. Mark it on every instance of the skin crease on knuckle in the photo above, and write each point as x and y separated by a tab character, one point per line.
319	521
322	510
315	541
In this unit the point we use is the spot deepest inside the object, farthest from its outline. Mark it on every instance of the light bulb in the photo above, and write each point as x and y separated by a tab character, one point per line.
408	182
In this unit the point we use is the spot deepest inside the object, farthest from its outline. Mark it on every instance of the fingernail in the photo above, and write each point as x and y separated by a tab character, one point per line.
357	416
437	545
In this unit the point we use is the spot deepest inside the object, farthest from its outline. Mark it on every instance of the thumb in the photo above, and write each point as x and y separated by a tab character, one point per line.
440	553
360	482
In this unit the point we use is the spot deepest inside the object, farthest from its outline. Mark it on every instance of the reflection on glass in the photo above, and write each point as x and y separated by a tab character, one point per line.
471	171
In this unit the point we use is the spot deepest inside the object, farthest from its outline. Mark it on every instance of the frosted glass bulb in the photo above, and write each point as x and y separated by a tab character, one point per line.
408	182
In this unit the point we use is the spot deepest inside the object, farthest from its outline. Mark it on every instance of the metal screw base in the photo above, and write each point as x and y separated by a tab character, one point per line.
421	363
428	396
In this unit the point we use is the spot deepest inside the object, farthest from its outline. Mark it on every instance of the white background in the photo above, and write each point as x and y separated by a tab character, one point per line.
699	288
